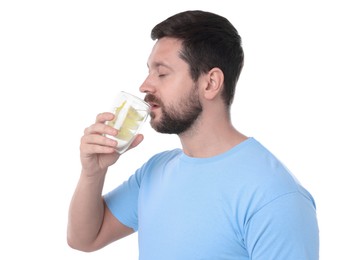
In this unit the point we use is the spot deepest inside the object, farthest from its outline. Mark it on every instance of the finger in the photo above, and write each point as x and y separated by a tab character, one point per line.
89	149
100	128
94	139
103	117
96	144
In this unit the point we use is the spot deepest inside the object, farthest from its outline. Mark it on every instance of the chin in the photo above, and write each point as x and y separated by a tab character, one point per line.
153	123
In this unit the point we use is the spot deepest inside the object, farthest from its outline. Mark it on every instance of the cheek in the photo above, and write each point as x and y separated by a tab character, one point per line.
176	89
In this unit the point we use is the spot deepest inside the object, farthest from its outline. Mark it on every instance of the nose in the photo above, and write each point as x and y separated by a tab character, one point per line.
146	86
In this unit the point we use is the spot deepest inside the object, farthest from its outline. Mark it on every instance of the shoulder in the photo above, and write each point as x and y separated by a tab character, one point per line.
264	178
261	165
164	157
158	161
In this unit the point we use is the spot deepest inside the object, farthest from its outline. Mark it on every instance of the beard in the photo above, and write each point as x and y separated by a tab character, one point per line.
176	120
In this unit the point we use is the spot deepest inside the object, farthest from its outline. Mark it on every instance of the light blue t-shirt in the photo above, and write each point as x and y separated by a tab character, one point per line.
242	204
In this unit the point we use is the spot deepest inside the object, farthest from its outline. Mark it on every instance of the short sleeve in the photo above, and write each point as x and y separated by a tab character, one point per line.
284	229
123	201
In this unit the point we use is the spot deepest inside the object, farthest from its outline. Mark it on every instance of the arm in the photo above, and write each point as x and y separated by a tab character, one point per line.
91	225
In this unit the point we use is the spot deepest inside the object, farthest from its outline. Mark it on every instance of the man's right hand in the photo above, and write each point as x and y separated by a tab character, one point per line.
97	152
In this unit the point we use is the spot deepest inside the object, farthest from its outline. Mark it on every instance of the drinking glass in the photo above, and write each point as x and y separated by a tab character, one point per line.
130	114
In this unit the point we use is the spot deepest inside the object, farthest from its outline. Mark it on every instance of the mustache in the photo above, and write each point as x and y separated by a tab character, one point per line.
150	98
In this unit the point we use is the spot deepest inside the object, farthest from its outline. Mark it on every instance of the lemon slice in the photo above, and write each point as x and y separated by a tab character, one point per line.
134	115
124	134
116	113
131	122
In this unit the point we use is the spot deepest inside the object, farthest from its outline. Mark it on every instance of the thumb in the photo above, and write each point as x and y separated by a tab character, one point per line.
138	139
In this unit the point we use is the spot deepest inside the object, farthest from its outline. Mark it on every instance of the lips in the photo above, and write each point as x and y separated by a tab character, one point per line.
153	105
152	101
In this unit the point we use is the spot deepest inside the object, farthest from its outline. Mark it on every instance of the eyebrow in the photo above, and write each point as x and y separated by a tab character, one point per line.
159	64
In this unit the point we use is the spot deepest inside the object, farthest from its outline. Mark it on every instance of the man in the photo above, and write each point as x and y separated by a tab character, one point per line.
223	195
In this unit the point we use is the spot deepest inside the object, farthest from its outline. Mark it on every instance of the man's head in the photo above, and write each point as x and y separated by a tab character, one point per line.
208	41
194	64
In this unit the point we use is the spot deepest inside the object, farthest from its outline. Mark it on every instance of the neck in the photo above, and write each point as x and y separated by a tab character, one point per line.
210	137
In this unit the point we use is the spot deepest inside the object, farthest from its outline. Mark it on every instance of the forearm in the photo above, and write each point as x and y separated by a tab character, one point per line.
86	212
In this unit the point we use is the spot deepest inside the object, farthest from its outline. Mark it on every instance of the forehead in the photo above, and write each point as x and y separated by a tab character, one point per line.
165	51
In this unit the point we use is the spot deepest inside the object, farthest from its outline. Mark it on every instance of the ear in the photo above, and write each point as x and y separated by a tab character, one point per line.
214	83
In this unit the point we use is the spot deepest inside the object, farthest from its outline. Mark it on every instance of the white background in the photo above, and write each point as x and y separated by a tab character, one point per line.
61	63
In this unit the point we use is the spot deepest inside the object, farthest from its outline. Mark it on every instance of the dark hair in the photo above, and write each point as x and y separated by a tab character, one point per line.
208	41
